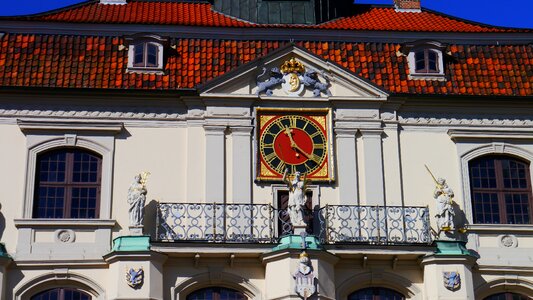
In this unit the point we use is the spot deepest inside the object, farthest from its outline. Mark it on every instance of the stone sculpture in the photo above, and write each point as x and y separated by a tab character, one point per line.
443	194
304	277
296	205
136	199
310	79
276	78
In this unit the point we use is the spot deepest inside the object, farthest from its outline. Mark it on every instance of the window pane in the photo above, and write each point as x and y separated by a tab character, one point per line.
52	167
376	293
139	54
50	202
432	61
420	62
506	296
517	208
152	55
61	294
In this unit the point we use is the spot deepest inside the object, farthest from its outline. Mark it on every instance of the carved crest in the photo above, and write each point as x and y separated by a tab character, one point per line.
293	78
305	278
452	280
135	278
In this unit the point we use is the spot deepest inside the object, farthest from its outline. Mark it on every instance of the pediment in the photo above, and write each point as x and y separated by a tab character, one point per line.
292	73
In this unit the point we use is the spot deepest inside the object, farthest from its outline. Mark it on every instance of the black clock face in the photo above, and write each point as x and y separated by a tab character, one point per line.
295	142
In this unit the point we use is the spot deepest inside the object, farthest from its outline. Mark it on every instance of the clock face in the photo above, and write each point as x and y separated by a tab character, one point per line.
293	141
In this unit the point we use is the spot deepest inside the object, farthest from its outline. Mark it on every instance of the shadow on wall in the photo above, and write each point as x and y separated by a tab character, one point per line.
150	216
2	223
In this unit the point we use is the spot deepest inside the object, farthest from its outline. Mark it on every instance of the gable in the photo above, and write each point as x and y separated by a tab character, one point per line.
292	73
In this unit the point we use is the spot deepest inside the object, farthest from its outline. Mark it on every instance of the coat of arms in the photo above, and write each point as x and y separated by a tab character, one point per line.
294	78
452	280
304	278
135	278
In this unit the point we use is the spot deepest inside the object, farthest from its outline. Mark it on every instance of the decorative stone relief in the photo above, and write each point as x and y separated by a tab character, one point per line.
147	113
66	236
508	241
293	78
304	277
465	120
452	280
135	278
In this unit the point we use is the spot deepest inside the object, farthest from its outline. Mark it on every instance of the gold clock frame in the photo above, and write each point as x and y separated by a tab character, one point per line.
278	110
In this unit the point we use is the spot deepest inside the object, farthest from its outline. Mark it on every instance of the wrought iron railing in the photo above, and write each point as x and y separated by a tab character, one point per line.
262	223
374	224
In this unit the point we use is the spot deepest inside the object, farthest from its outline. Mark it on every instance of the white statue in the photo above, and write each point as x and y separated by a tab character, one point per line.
136	199
297	198
445	213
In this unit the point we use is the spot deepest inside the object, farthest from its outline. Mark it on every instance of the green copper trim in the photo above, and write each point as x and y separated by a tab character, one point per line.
295	242
132	243
452	248
3	251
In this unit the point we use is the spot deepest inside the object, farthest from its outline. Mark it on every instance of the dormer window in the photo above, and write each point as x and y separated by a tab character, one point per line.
425	59
146	53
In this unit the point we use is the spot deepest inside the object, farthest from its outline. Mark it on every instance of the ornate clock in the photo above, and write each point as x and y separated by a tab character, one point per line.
297	140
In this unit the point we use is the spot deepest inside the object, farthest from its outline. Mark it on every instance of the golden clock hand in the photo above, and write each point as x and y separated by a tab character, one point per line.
294	145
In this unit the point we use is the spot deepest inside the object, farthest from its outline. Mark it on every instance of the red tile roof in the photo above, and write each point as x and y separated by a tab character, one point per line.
96	62
200	14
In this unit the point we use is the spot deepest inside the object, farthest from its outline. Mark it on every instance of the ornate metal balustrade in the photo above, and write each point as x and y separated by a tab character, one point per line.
374	224
262	223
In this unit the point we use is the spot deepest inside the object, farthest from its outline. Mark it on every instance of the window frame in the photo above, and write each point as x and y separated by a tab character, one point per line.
145	40
61	293
507	295
427	70
500	189
216	292
374	289
68	184
411	49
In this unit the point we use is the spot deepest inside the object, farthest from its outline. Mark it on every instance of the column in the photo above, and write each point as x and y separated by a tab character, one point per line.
214	164
373	166
242	164
347	169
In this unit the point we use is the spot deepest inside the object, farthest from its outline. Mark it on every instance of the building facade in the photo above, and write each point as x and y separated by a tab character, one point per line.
150	151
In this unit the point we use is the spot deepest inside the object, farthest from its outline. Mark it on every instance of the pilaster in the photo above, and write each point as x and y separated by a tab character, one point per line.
347	170
450	258
5	260
373	166
214	163
132	253
241	164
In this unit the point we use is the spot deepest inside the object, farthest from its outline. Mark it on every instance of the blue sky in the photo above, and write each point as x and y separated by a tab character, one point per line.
514	13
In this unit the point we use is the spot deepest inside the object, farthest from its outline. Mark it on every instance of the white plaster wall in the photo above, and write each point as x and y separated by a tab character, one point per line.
12	179
160	151
437	151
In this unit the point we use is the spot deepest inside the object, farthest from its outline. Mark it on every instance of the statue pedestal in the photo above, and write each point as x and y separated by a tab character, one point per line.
5	260
441	269
136	230
136	269
299	229
282	264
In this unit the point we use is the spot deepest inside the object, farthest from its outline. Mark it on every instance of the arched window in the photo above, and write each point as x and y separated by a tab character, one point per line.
376	293
62	294
501	190
67	184
216	293
507	296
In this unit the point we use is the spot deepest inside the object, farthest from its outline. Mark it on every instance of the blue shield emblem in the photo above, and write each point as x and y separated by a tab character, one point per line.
452	280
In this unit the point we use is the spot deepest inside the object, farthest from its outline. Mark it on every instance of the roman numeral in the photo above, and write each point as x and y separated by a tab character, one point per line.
315	134
293	122
280	168
270	157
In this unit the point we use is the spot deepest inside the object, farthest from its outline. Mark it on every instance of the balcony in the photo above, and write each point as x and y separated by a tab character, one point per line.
262	223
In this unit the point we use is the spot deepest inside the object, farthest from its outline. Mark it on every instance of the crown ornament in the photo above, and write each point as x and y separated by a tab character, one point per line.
292	66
